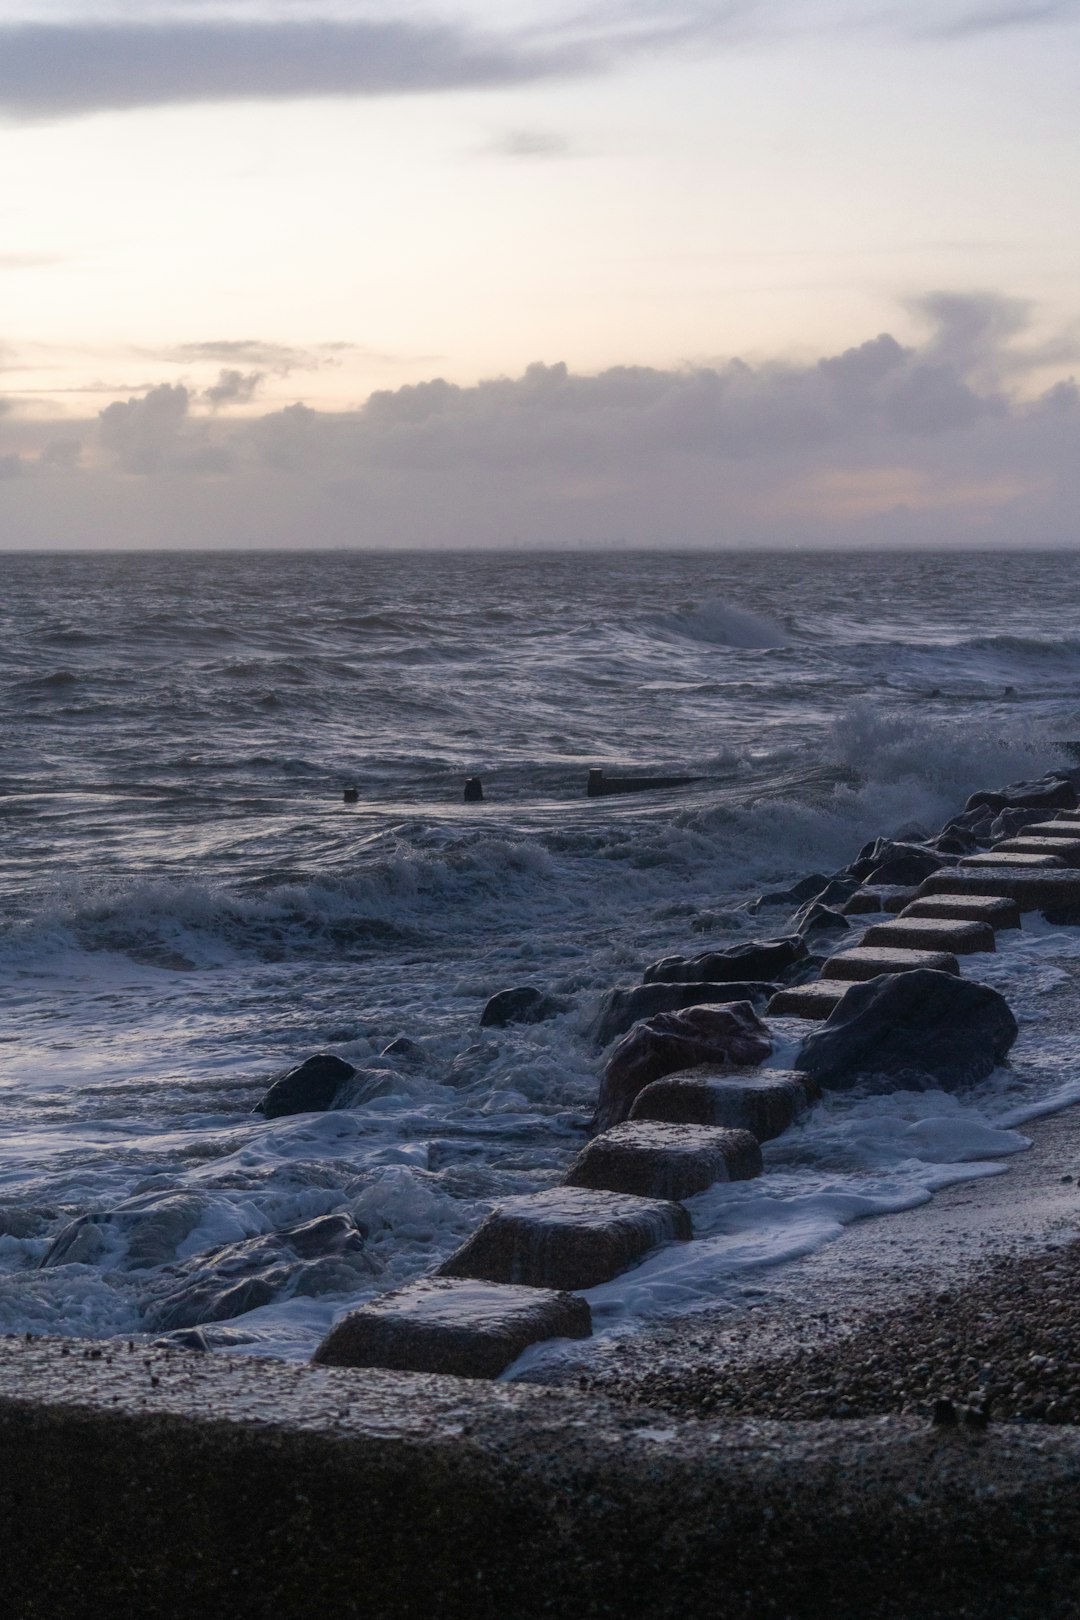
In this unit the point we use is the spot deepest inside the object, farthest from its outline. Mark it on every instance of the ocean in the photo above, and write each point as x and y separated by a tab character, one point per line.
189	907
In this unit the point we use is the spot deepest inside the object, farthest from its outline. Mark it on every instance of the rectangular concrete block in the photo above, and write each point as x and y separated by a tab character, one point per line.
815	1000
1032	888
992	858
764	1103
994	910
661	1159
568	1237
454	1326
1067	848
866	962
932	934
1054	829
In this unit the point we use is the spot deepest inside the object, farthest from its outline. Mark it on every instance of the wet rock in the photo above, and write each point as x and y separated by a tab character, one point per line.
731	1035
459	1327
25	1221
1007	823
568	1237
913	1030
818	919
325	1255
956	842
758	959
815	1000
311	1088
525	1005
764	1104
1051	792
662	1159
807	888
401	1047
622	1009
886	862
138	1234
869	961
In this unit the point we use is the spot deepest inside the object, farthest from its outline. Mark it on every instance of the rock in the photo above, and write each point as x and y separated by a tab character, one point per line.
138	1234
454	1326
885	862
977	822
25	1221
1051	792
525	1005
764	1104
759	959
621	1009
568	1237
911	1030
401	1047
311	1088
1007	823
807	888
818	919
661	1159
956	842
677	1040
325	1255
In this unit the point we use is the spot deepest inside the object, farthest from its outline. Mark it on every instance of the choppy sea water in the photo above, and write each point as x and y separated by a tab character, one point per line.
189	907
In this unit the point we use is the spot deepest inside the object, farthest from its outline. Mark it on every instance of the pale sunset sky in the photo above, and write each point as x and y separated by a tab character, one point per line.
346	272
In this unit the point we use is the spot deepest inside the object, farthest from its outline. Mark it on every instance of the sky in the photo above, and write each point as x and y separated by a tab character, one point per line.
602	272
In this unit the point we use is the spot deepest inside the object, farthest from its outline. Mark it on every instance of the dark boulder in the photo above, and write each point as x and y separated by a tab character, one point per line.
916	1030
525	1005
758	959
321	1256
678	1040
1051	792
887	862
807	888
1007	823
139	1234
818	919
838	890
622	1009
957	841
311	1088
401	1047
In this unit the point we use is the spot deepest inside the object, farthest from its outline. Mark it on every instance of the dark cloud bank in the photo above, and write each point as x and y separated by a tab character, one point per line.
70	67
945	442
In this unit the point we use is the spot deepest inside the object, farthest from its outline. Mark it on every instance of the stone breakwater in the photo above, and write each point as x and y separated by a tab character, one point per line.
684	1098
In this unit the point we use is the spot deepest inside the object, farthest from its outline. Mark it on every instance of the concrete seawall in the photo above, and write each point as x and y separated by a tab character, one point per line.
153	1483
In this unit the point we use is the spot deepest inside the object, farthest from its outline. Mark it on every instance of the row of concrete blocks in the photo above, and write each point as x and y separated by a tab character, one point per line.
517	1279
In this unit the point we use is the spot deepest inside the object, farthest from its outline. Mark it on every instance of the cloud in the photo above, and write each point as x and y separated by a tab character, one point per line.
140	433
278	358
529	143
992	19
944	440
233	388
64	69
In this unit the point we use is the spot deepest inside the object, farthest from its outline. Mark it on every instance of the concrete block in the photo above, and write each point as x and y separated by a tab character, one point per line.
764	1103
867	962
1033	888
815	1000
992	858
994	910
932	934
568	1237
455	1326
659	1159
1067	848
